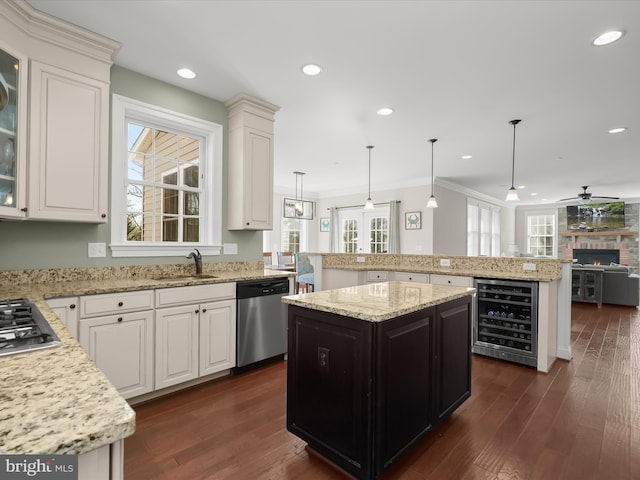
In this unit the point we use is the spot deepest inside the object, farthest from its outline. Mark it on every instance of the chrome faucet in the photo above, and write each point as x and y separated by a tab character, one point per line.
198	259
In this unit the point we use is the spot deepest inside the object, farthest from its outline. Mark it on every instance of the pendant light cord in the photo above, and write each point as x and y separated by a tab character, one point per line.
513	158
433	140
370	147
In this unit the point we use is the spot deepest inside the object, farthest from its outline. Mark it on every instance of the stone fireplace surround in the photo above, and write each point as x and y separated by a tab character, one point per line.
596	256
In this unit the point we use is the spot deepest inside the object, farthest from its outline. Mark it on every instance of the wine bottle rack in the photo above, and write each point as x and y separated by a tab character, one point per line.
506	320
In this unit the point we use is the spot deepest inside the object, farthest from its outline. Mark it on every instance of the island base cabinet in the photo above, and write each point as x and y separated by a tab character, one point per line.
363	393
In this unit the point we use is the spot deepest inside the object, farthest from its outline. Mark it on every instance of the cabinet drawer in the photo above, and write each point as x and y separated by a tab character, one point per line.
411	277
452	280
166	297
377	276
112	303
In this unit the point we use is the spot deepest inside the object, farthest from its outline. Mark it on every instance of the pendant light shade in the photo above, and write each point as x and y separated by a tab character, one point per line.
512	194
369	203
431	203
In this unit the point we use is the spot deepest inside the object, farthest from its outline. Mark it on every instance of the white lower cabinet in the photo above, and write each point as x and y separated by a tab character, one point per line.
197	339
122	347
454	280
410	277
67	310
376	276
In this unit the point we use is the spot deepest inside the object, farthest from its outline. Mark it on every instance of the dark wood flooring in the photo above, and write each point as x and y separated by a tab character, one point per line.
579	421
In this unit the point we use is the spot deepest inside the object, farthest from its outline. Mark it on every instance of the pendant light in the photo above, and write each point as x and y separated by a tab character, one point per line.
299	203
431	203
512	194
369	203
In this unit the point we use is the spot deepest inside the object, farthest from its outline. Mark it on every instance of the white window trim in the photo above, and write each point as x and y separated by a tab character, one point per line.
211	243
536	213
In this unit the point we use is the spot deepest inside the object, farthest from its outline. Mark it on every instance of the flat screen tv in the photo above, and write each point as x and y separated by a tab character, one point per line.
596	216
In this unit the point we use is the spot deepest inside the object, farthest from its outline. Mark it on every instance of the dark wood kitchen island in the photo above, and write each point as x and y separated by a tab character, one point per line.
372	369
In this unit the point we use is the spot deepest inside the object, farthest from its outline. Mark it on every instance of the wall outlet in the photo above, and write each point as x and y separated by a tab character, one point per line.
445	262
360	259
229	248
96	250
530	267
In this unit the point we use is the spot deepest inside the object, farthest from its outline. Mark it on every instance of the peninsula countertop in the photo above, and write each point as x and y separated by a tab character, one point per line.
55	400
376	302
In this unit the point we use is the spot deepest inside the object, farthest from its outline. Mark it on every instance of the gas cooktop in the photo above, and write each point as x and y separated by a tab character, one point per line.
23	328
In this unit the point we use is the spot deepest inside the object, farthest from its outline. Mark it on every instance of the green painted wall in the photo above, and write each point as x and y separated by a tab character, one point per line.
33	245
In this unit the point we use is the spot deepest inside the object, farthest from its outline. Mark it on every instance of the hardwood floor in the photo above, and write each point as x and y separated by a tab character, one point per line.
579	421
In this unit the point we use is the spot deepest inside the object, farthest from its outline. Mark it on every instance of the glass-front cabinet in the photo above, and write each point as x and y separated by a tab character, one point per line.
12	133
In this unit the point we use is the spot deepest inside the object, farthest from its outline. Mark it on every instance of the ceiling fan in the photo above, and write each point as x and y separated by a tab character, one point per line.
585	197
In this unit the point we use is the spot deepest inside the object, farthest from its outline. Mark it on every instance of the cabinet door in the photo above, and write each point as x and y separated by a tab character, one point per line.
176	345
68	146
217	336
453	280
452	355
67	310
377	276
122	347
410	277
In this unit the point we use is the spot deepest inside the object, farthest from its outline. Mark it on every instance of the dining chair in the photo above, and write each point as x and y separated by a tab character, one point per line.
267	258
304	273
287	259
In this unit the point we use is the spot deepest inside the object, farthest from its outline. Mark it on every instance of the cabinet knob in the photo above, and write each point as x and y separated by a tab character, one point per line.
204	310
25	209
104	215
119	319
197	311
120	304
72	306
248	224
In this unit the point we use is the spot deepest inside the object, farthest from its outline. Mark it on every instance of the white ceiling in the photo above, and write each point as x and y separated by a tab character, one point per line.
453	70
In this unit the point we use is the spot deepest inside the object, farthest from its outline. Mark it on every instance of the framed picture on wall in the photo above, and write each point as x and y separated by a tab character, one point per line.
325	224
412	220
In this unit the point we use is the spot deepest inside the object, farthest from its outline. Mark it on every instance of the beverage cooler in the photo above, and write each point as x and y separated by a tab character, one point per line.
506	320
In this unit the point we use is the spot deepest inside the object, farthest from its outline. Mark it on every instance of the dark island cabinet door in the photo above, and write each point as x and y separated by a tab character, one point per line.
403	390
452	356
329	385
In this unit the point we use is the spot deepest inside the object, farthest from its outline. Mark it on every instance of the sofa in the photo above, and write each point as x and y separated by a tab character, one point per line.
618	285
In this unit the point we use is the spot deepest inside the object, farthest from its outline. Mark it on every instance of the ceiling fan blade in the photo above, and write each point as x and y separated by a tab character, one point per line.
611	198
566	199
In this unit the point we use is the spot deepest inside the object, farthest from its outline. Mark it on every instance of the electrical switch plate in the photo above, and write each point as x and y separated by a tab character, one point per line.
96	250
529	267
445	262
360	259
230	248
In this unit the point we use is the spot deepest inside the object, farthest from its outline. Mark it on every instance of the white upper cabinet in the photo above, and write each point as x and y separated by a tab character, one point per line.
64	177
250	181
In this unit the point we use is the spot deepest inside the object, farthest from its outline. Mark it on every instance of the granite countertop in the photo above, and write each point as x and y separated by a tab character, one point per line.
508	268
55	400
376	302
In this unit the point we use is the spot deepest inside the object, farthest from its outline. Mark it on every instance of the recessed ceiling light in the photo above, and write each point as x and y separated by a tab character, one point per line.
186	73
607	37
466	157
521	187
311	69
385	111
534	194
618	130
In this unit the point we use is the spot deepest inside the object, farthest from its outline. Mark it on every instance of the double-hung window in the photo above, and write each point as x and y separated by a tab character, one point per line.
483	229
166	182
541	235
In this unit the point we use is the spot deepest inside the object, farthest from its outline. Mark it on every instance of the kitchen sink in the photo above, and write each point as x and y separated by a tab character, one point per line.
183	277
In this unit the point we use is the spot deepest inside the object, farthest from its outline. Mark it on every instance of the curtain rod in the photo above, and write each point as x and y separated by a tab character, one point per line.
375	204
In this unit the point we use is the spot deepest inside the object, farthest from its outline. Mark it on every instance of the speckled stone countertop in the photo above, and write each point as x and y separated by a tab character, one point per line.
376	302
546	269
55	400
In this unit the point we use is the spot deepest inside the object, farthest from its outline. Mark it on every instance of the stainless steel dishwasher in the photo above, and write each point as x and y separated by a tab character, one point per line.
261	320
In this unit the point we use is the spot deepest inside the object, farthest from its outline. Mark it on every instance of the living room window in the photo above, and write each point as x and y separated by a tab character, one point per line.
483	229
541	235
166	182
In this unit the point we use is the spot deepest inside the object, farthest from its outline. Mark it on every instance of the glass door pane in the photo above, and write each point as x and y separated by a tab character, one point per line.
9	70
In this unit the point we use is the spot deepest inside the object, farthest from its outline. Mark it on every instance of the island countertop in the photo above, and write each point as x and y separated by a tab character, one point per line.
376	302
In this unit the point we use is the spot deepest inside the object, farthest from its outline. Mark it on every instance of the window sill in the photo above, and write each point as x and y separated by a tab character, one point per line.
180	250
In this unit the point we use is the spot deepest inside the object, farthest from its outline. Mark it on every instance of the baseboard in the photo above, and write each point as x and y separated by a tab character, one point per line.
564	353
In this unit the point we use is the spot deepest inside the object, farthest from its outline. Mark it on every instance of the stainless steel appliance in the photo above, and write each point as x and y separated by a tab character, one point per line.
261	320
506	320
23	328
